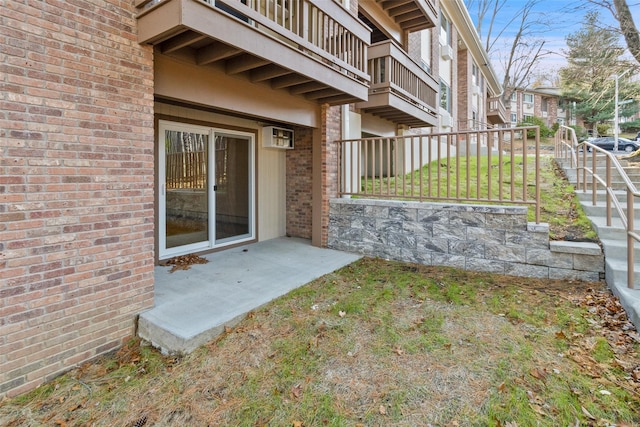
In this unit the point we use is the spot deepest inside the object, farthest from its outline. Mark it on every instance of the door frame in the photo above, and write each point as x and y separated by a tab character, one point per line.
210	244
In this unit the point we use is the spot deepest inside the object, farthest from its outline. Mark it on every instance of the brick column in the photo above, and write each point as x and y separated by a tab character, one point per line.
325	170
299	192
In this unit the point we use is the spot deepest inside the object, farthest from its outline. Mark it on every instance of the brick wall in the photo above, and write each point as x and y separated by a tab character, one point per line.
331	131
299	189
76	184
464	95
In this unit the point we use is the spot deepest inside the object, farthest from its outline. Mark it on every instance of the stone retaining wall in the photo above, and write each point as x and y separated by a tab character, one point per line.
495	239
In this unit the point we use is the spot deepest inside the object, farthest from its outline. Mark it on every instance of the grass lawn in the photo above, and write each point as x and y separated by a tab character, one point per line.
382	343
441	181
376	343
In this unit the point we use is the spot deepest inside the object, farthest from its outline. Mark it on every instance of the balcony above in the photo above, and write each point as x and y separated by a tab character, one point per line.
314	49
411	15
496	112
401	91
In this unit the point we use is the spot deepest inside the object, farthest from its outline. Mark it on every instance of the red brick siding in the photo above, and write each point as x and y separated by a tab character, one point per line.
464	95
299	190
331	120
76	184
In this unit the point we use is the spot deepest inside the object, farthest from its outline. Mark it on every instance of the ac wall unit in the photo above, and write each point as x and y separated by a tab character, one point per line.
446	52
275	137
445	120
476	89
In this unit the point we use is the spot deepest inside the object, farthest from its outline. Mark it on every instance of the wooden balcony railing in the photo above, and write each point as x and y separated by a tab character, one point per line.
496	109
471	166
323	30
410	92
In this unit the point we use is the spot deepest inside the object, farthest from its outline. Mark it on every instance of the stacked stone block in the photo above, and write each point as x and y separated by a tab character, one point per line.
495	239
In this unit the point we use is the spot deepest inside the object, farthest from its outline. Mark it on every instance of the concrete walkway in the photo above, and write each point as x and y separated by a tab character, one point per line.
194	306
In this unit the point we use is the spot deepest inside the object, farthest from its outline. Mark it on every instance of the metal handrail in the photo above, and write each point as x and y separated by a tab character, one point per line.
569	149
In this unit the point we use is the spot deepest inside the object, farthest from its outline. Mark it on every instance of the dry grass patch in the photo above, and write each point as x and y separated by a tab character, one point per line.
374	344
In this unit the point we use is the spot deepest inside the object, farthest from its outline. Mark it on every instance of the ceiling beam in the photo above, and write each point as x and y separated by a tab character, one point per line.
215	52
182	40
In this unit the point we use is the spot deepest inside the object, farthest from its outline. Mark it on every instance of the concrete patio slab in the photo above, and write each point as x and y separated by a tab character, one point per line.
194	306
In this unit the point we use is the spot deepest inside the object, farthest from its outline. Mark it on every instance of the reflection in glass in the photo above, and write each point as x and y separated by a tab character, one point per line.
232	182
187	209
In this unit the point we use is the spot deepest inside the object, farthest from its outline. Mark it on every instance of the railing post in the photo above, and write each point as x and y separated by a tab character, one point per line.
537	176
630	238
594	181
608	211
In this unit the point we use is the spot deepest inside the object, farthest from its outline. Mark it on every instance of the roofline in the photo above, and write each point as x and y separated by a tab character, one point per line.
472	40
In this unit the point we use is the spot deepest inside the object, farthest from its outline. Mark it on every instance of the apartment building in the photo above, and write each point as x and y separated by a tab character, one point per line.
545	103
469	87
133	132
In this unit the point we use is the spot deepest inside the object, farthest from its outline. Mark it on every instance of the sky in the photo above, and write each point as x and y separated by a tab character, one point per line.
564	17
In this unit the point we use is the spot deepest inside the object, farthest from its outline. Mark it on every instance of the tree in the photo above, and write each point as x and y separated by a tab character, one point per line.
620	11
593	58
523	51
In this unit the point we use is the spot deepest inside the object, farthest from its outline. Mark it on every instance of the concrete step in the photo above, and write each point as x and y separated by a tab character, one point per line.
601	197
632	173
600	209
616	271
614	231
617	249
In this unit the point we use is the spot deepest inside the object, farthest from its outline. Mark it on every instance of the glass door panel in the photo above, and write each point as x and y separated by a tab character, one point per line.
185	190
233	204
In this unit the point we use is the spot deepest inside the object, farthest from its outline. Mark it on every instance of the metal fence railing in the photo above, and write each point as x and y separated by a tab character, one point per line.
479	166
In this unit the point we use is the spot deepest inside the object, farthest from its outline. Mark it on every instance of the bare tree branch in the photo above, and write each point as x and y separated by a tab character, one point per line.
621	12
524	49
628	27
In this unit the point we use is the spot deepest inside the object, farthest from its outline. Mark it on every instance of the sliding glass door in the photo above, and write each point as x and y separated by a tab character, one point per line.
206	188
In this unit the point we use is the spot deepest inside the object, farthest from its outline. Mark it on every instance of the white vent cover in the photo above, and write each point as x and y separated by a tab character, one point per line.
275	137
446	52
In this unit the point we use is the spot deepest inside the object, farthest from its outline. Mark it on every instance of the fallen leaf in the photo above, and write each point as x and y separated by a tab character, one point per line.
297	424
341	313
584	411
605	392
382	410
538	373
296	391
538	409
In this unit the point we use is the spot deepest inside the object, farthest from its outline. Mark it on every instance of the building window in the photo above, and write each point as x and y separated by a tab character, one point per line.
514	118
445	96
425	50
474	73
514	96
445	30
527	118
528	98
